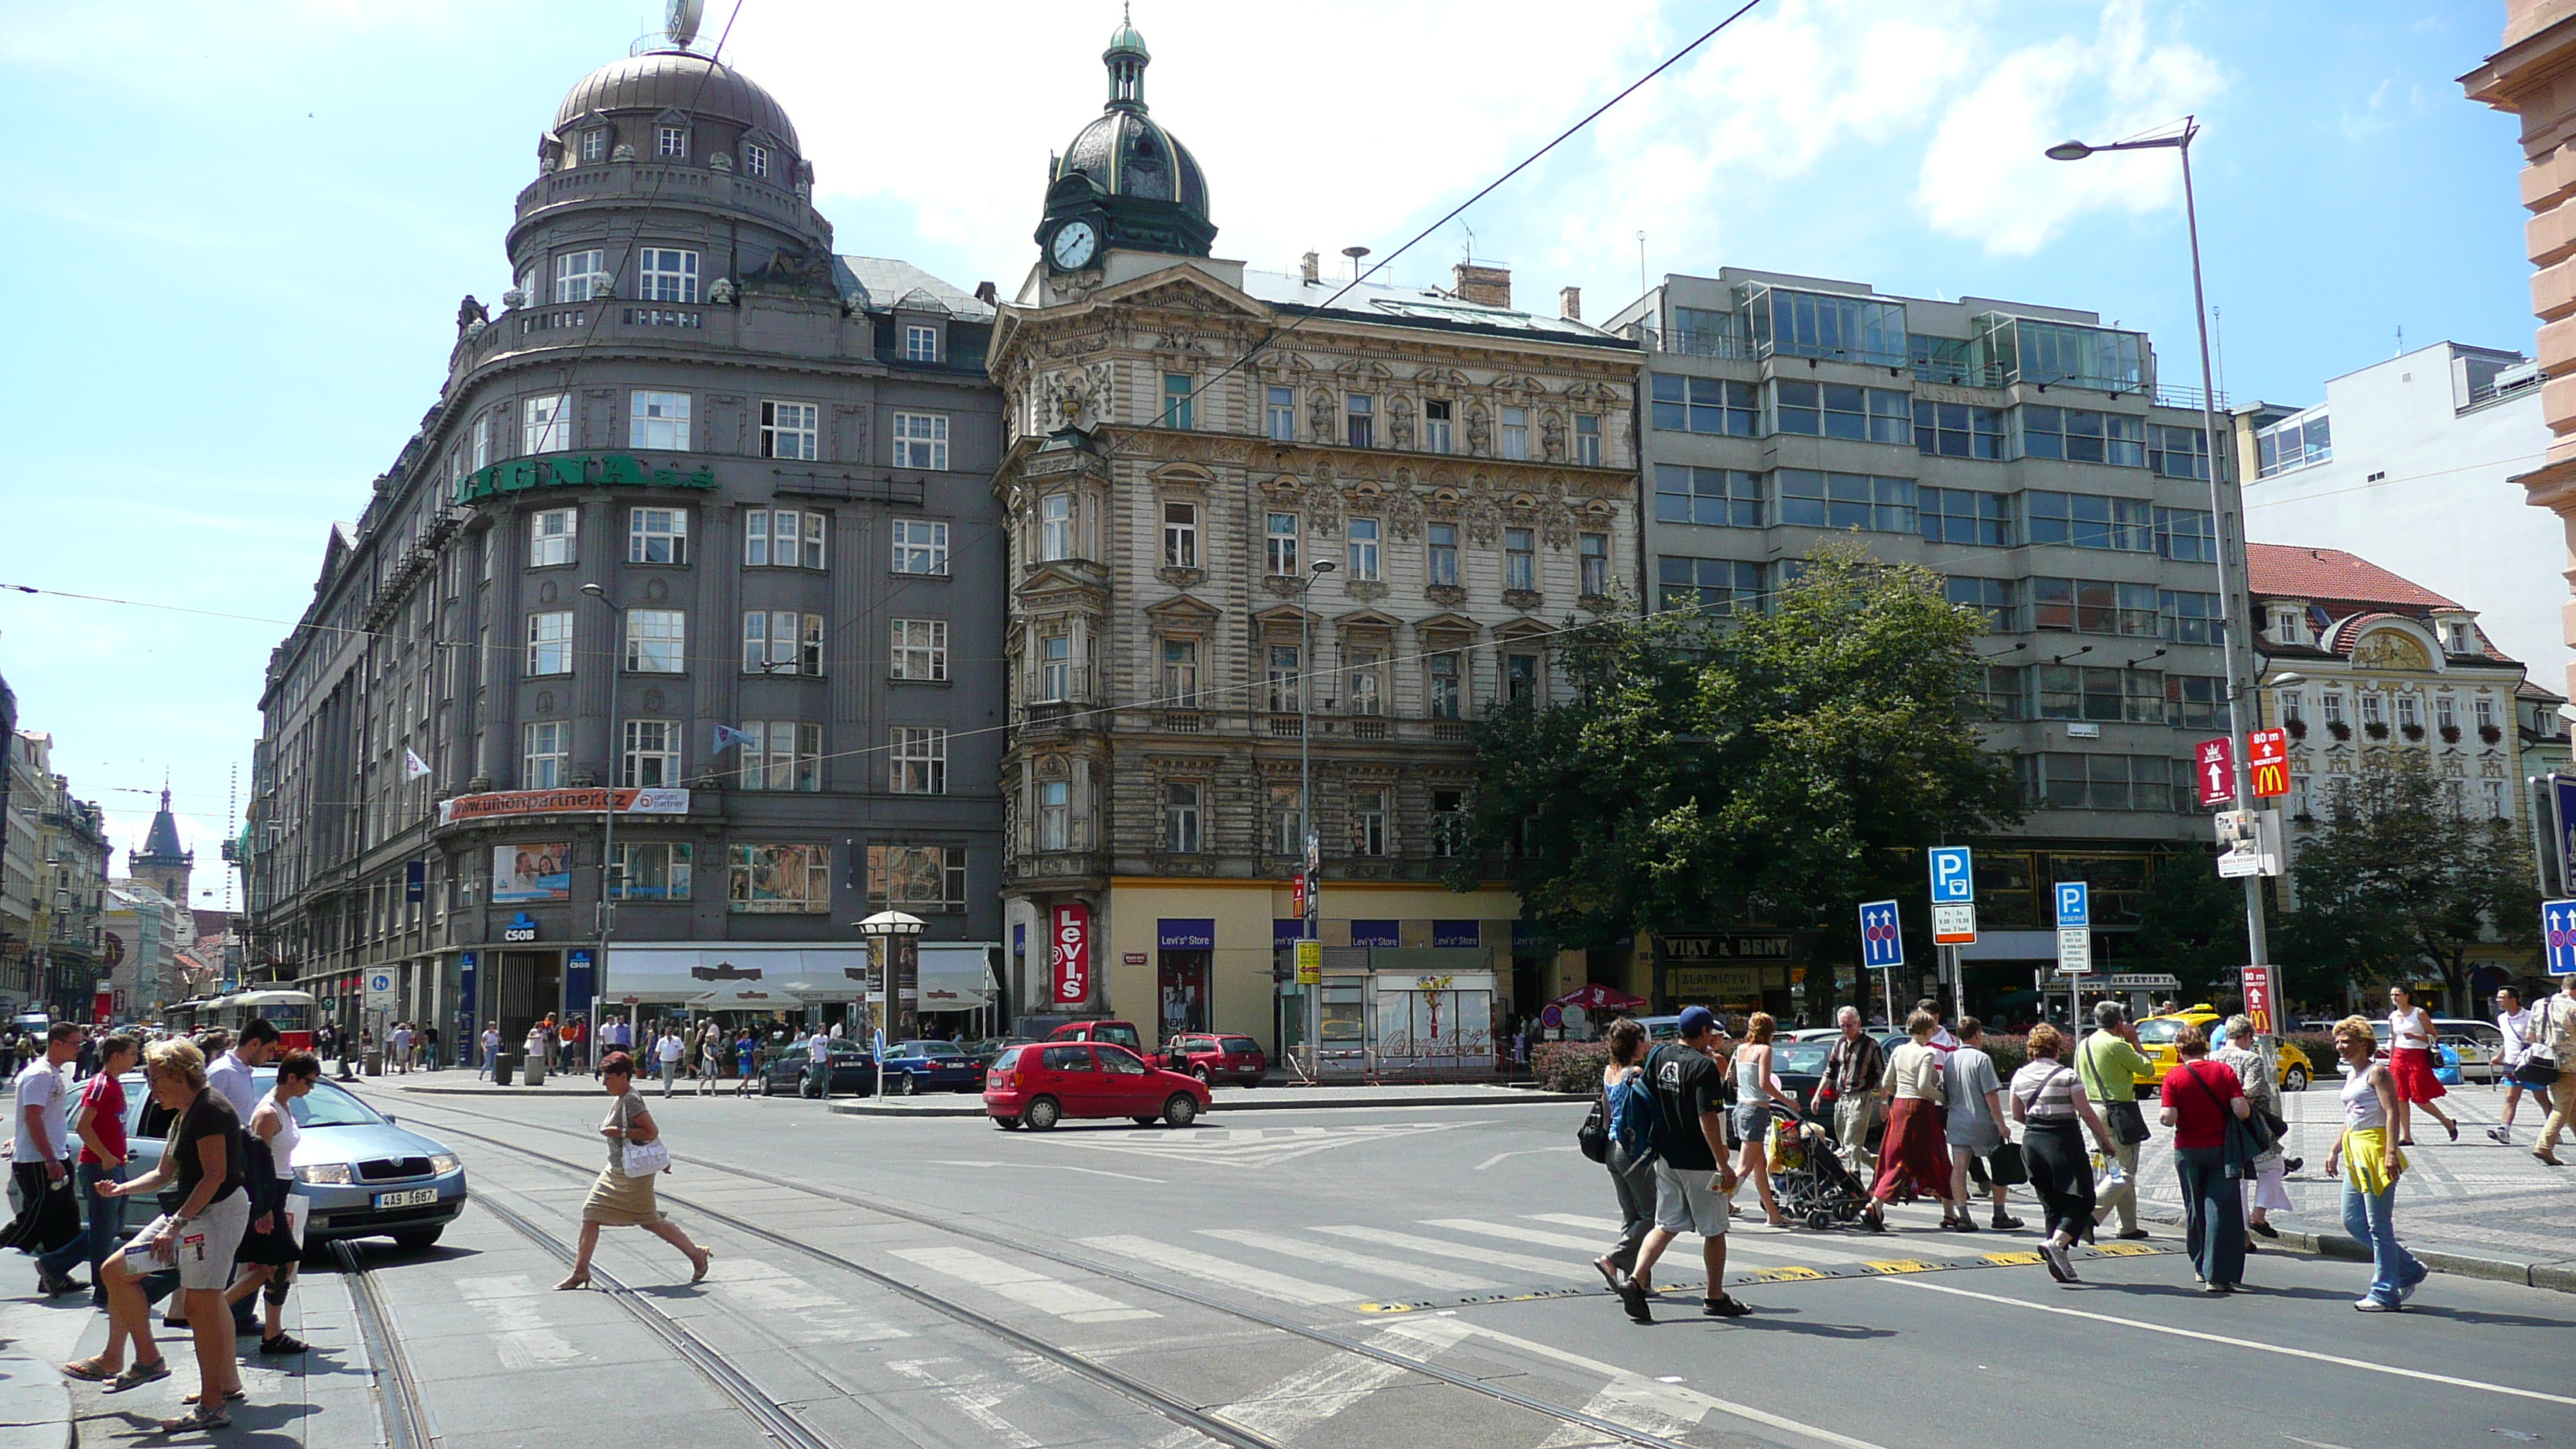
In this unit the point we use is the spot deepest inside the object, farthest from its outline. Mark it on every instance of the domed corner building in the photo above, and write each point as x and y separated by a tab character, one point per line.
1198	696
772	463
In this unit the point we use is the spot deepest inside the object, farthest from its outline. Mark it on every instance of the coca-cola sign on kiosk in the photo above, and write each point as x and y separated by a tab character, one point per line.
1069	956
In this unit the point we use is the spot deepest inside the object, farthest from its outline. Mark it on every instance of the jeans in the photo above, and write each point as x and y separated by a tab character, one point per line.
2371	1218
669	1071
100	1219
1633	1183
2214	1209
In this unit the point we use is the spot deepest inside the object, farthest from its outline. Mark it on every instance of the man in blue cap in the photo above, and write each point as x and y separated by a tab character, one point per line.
1692	1176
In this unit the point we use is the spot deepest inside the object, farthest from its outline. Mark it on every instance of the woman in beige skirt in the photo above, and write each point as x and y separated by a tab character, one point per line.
617	1200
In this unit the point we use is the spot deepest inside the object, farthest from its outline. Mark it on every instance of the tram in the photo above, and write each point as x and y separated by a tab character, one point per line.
291	1012
185	1017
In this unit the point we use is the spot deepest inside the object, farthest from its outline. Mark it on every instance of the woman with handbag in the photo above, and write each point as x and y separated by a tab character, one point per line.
1976	1125
1915	1157
1756	1088
2371	1165
2204	1103
623	1195
2245	1054
2050	1105
2410	1064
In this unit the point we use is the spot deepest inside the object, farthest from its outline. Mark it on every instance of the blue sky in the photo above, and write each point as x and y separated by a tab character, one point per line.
239	233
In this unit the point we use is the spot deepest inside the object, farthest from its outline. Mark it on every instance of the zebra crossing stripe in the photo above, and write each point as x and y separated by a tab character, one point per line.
1022	1286
1224	1272
1387	1268
1468	1252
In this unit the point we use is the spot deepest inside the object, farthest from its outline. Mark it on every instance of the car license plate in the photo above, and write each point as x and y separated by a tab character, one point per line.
415	1197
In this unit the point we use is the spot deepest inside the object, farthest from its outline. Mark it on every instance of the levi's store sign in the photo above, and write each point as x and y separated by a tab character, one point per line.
576	470
1069	954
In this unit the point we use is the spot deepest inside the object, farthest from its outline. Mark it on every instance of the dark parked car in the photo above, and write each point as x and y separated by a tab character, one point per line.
1800	1066
1212	1057
925	1066
852	1071
993	1046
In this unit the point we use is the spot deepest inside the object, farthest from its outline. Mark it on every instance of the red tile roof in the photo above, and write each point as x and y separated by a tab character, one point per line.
2280	570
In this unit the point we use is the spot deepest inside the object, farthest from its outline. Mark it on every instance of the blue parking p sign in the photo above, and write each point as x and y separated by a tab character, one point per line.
2558	932
1882	942
1953	883
2074	904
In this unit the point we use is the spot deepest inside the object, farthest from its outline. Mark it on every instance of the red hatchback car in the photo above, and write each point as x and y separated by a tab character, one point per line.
1214	1057
1043	1083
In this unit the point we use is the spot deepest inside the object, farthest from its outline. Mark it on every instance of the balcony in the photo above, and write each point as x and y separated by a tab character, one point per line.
1701	342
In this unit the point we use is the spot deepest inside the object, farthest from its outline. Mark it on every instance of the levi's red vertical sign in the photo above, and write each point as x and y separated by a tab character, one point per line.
1069	955
2267	756
2213	765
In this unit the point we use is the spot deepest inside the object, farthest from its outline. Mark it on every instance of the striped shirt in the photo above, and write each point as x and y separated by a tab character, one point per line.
2045	1091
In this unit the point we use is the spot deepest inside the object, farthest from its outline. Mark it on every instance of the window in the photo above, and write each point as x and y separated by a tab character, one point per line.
1724	497
550	643
920	649
482	440
2077	693
2484	711
652	870
1055	526
2294	442
1448	821
1364	550
1286	685
784	538
2369	707
2196	701
1520	560
1714	586
1181	818
1436	434
1176	400
789	430
659	420
920	546
1359	415
1055	668
667	274
1367	682
579	276
782	641
1959	515
671	141
2089	520
1181	673
2191	618
2083	437
550	536
2334	708
1705	405
1956	430
1990	597
2406	718
1520	678
918	764
1812	324
2186	535
2102	782
2494	792
1863	414
2301	802
1443	670
2294	707
1368	822
657	535
545	424
594	144
782	754
780	879
921	441
2002	694
2446	715
1280	532
1516	432
545	761
917	877
1845	500
1180	535
2178	452
1055	815
920	343
656	641
1587	439
2094	606
1592	552
1280	413
652	755
755	159
1441	555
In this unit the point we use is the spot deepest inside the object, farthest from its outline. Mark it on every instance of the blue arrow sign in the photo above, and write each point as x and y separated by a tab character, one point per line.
1953	883
1882	941
2558	932
2074	904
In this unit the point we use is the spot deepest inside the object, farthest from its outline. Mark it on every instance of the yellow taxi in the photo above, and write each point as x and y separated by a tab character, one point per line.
2156	1043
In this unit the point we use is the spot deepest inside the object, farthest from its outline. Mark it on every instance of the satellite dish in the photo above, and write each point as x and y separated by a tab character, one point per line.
680	20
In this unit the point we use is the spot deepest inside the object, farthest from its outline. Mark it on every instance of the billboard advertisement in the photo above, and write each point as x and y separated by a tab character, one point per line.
539	872
1069	954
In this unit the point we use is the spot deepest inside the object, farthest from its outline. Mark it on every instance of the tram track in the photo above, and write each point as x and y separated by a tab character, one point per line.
400	1403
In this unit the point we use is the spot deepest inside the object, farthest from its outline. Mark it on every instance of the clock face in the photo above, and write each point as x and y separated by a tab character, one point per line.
1074	243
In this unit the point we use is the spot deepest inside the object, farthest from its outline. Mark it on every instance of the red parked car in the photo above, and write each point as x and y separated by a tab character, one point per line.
1214	1058
1121	1032
1041	1084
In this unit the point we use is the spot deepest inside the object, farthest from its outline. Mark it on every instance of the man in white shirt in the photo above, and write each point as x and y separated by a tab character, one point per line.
230	1073
666	1055
40	1158
2515	1023
401	1042
818	1064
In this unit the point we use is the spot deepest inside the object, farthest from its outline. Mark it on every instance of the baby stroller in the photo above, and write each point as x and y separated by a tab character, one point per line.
1808	1174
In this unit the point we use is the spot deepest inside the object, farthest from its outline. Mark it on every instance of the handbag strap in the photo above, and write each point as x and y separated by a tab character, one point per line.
2224	1116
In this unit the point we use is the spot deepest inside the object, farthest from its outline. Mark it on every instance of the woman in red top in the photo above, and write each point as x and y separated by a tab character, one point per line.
2199	1094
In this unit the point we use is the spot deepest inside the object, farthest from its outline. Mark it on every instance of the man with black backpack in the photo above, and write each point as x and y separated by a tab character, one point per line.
1692	1175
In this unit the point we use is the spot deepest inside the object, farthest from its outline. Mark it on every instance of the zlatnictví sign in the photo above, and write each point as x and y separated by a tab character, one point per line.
576	470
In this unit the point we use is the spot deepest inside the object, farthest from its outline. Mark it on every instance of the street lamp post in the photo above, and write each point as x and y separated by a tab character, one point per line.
1312	865
2234	598
894	932
608	814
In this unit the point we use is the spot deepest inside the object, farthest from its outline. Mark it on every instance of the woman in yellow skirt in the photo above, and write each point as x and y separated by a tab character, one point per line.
620	1200
2371	1166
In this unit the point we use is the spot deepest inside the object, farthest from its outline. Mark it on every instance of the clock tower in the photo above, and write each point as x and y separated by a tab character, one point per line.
1125	183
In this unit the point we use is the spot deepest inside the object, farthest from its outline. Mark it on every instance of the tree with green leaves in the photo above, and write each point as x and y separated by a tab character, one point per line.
1773	767
2397	879
2191	924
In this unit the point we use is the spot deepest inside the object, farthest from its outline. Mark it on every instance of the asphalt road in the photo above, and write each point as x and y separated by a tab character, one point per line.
1410	1276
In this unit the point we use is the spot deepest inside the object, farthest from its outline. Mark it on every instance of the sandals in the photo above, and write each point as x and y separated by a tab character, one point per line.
140	1374
231	1396
577	1280
89	1371
706	1259
200	1417
2454	1129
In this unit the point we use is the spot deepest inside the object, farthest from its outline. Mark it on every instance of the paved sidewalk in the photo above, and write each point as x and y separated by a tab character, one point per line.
968	1104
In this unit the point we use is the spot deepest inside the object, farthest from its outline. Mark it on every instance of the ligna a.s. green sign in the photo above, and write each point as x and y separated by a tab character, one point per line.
576	470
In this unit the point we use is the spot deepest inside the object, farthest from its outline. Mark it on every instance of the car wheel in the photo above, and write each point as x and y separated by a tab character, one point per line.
418	1238
1181	1110
904	1086
2296	1080
764	1086
1202	1074
1042	1115
1007	1124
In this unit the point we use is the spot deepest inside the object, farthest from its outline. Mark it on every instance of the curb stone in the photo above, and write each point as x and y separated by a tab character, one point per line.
35	1405
2557	1277
867	1107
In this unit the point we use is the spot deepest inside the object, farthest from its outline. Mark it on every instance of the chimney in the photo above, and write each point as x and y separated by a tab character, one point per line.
1569	303
1491	286
1311	266
986	293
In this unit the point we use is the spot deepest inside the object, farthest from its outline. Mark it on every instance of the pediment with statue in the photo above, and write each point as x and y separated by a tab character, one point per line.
2390	649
